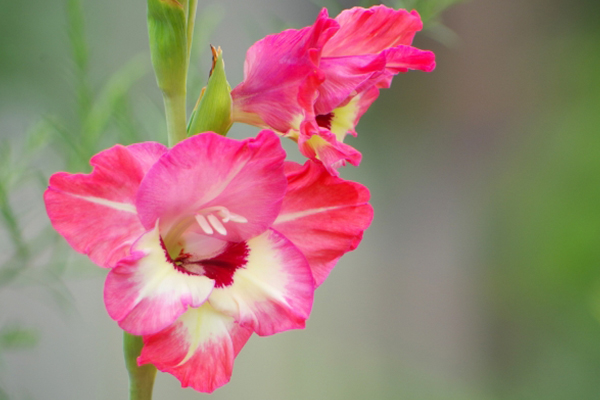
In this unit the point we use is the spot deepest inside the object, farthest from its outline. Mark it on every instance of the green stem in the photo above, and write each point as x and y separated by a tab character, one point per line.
141	378
191	19
176	118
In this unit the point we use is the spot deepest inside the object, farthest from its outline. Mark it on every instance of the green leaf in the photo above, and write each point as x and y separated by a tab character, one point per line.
111	97
38	136
15	337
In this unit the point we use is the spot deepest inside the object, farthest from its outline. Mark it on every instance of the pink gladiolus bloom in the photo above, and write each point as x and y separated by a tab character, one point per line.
207	243
314	84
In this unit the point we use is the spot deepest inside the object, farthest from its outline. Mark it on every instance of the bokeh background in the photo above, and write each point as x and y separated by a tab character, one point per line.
479	278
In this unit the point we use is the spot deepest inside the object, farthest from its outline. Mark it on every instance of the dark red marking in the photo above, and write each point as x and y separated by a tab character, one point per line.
220	268
324	121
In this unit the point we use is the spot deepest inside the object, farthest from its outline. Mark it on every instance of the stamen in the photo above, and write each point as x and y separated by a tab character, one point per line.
211	219
204	224
214	221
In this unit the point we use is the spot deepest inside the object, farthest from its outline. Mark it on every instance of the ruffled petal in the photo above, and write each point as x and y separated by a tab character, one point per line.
273	292
343	119
378	33
198	349
324	216
346	77
96	212
322	145
369	31
404	58
145	292
207	172
281	77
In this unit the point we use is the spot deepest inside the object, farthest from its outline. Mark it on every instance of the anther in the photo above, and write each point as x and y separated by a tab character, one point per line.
214	221
211	219
204	224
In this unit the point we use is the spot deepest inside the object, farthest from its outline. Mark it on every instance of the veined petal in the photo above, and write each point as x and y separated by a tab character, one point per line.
198	349
323	215
346	77
145	292
378	33
274	292
211	172
96	212
281	77
372	30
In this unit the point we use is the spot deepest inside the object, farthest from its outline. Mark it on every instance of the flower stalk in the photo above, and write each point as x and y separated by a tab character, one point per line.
176	118
141	378
168	36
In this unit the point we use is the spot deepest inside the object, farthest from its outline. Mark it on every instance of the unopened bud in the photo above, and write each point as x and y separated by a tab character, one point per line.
213	109
168	45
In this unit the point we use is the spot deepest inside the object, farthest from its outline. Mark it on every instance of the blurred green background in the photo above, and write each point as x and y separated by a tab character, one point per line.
479	277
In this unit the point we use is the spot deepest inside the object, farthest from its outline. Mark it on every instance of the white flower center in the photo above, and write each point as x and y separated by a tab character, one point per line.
211	219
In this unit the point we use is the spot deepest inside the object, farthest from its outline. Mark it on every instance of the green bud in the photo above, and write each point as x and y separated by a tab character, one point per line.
213	109
167	29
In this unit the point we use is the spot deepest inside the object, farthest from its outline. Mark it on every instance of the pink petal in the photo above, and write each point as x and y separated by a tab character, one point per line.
145	292
274	292
209	170
369	31
281	77
371	46
198	349
360	105
96	212
346	77
403	58
323	215
321	145
343	119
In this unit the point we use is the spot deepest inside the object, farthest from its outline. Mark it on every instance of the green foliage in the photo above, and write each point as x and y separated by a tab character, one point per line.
545	280
429	10
102	117
110	100
15	337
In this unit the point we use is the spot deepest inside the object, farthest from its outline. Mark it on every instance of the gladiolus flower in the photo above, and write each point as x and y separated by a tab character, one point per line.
207	243
314	84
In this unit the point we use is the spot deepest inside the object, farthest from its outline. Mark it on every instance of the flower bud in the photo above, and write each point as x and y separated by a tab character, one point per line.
168	45
213	109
